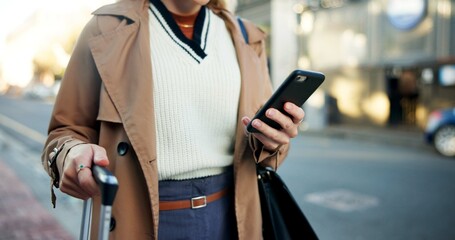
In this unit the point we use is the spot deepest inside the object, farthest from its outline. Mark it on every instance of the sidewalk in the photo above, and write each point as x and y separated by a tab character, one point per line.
21	215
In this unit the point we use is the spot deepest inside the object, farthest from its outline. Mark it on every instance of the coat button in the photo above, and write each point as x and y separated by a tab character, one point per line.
112	225
122	148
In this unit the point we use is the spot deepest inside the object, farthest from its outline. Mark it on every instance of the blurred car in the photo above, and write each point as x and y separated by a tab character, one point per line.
39	91
440	131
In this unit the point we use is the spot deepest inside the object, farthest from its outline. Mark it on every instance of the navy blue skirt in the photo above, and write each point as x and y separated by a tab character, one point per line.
214	221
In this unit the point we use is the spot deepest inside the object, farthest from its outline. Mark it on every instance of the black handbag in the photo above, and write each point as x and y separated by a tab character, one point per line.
282	217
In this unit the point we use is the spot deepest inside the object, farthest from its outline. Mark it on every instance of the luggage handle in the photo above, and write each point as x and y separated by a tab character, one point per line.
108	185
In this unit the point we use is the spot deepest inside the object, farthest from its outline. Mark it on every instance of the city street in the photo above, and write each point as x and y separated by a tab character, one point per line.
350	188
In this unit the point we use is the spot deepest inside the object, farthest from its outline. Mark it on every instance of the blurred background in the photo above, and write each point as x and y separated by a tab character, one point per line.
387	62
375	157
36	40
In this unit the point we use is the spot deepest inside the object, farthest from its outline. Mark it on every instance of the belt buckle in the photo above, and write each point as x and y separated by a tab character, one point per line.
198	198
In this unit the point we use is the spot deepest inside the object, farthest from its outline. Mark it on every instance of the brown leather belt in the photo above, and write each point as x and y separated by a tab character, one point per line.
196	202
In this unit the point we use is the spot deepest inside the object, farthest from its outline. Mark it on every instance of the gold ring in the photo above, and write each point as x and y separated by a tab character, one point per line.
81	166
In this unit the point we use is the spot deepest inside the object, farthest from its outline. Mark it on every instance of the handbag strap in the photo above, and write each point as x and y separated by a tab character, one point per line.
243	29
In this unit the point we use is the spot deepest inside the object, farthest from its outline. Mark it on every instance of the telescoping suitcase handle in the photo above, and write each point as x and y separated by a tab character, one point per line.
108	185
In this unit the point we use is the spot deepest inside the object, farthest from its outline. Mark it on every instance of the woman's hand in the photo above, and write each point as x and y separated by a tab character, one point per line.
271	137
77	179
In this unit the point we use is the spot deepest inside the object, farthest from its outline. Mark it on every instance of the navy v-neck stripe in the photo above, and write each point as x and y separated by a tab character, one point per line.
198	27
181	46
206	35
202	18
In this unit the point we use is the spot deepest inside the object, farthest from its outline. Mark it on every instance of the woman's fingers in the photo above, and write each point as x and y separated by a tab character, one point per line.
287	124
273	138
73	189
77	178
87	182
296	112
268	142
99	156
270	137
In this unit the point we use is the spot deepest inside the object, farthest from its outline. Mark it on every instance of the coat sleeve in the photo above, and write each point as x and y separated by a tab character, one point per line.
73	120
265	157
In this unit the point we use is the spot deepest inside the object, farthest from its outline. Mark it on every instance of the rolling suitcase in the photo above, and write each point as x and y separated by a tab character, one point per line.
108	185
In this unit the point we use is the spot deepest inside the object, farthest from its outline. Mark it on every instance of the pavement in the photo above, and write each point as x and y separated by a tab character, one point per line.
25	207
22	215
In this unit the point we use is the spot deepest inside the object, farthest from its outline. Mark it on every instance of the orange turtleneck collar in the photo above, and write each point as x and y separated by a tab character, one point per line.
186	23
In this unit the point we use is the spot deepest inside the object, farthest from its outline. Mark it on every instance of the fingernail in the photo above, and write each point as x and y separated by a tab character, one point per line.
288	106
256	123
270	112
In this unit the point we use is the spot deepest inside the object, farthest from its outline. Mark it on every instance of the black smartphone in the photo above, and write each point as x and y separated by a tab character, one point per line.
297	88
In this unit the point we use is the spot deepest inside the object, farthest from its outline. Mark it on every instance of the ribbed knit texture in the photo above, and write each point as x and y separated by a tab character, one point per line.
195	103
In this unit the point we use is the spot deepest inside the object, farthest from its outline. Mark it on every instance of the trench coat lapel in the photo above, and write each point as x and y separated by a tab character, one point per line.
120	56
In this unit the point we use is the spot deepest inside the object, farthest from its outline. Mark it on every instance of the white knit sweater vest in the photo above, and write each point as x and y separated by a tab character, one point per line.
196	93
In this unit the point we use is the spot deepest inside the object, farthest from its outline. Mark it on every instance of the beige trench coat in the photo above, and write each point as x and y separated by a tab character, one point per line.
106	98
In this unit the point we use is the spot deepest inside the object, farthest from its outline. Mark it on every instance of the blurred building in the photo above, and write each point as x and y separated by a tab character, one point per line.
35	50
387	62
